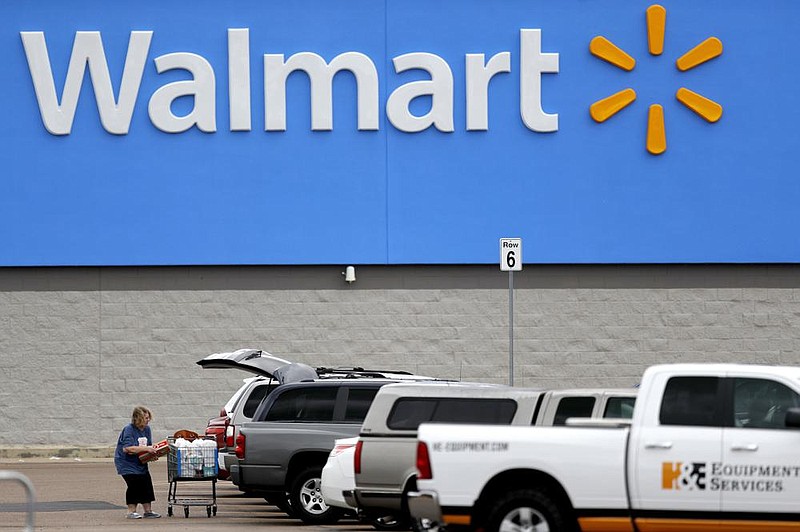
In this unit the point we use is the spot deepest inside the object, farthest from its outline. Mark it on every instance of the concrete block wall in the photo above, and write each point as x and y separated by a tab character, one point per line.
79	347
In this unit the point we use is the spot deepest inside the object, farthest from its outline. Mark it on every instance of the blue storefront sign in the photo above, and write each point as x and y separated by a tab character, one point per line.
412	132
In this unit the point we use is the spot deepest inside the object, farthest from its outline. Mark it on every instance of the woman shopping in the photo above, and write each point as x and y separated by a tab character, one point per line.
134	439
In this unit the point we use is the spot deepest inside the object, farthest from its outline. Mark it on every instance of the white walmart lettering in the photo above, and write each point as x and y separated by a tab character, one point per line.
116	111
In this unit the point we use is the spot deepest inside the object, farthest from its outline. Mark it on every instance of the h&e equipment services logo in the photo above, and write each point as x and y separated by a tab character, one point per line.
719	476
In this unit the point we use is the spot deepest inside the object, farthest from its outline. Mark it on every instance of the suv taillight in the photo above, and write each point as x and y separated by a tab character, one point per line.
357	457
423	462
229	432
240	445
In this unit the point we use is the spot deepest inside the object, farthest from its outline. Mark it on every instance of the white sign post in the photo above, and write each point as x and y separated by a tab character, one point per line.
511	261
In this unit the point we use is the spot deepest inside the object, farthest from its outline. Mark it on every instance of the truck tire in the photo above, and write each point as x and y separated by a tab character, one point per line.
527	509
306	499
281	501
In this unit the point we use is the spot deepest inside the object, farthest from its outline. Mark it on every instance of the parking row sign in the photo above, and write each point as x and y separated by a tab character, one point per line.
511	254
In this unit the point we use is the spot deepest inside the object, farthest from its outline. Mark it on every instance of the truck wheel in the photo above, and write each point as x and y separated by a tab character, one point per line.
306	499
527	509
281	501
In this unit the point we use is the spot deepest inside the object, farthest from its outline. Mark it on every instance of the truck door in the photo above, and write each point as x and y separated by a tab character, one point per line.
672	449
760	468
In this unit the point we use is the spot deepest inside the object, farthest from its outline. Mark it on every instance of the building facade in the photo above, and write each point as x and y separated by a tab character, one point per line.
81	345
184	178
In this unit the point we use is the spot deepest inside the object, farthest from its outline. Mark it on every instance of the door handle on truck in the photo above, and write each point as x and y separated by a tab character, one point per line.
659	445
752	447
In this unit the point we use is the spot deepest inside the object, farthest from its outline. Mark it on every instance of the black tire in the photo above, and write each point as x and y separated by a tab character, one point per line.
530	509
169	511
281	501
208	510
186	511
390	522
306	499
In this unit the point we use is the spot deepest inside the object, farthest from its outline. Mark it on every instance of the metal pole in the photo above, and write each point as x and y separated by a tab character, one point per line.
510	328
30	492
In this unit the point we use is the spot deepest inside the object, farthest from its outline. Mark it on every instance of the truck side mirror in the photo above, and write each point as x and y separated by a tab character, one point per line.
793	418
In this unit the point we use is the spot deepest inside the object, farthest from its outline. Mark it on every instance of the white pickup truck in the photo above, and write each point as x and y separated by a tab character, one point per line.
709	447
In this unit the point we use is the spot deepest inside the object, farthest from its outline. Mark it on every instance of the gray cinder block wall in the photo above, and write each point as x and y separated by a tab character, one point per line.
79	347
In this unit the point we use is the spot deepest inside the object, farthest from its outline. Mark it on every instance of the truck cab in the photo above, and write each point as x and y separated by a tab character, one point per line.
715	440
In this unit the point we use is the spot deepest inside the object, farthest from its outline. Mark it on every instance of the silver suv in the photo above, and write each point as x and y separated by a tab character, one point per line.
281	453
390	430
270	372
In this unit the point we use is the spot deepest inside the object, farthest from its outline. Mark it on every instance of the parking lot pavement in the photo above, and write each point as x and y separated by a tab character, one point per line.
89	495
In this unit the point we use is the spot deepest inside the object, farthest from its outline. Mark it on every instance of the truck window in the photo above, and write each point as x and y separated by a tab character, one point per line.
761	403
692	401
408	413
620	407
304	405
573	407
358	402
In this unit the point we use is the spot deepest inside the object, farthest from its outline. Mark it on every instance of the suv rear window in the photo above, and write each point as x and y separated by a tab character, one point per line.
305	405
620	407
573	407
408	413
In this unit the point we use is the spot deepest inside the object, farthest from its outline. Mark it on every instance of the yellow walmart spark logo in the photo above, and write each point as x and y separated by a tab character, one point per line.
604	109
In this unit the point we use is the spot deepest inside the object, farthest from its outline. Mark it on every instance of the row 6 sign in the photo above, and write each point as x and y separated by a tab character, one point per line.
511	254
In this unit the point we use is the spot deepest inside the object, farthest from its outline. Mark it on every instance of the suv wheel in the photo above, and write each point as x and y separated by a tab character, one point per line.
306	499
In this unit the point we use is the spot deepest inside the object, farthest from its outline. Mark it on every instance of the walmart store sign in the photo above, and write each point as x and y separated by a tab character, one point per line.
173	132
116	110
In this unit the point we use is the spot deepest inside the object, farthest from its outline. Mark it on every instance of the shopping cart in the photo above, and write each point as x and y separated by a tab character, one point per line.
192	462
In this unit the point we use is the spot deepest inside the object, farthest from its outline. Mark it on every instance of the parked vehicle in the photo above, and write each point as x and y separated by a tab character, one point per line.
390	429
337	475
560	405
271	371
710	446
281	453
338	478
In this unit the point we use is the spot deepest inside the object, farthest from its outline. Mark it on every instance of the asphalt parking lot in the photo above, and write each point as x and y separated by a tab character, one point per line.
88	495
